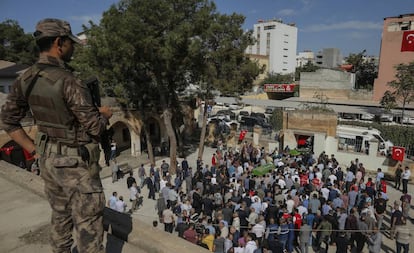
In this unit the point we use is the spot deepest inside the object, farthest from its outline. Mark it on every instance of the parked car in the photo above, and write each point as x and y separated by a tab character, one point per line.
367	116
242	114
258	115
249	122
386	118
237	106
269	109
217	119
408	120
231	114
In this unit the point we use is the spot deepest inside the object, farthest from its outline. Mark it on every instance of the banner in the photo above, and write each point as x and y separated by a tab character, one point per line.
398	153
279	87
407	41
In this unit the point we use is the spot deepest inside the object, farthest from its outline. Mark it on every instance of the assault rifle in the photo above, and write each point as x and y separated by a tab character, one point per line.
105	138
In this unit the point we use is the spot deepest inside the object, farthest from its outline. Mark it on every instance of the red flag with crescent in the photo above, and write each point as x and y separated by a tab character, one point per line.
398	153
407	41
242	135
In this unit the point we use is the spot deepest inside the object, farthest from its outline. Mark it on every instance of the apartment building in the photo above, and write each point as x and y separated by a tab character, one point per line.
278	41
397	46
328	58
304	58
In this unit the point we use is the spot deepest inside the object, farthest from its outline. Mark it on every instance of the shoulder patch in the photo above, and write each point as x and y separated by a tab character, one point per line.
27	74
54	74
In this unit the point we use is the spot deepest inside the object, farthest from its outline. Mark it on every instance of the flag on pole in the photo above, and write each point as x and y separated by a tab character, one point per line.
398	153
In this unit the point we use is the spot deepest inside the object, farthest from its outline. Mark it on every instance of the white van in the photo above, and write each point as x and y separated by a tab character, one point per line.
356	139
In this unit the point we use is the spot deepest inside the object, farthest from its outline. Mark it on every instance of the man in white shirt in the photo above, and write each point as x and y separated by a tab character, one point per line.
121	205
112	200
133	196
405	177
290	204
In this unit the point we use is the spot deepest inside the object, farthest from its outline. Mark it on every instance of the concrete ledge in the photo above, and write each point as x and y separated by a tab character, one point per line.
143	238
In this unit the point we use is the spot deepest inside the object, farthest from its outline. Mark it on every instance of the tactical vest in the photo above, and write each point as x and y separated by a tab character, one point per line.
45	97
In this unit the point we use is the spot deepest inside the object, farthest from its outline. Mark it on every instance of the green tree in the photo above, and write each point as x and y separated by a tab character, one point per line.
226	67
277	78
403	85
15	45
147	51
388	101
308	67
366	71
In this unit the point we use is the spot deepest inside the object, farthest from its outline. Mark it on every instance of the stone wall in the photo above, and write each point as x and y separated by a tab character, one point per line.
310	121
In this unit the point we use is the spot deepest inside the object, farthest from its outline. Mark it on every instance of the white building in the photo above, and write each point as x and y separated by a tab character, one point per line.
278	41
304	57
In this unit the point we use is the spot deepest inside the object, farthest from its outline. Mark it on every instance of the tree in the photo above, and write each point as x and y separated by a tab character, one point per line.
388	101
308	67
226	67
277	78
147	51
15	45
403	85
366	71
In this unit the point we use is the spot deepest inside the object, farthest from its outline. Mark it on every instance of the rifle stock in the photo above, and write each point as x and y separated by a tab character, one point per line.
105	138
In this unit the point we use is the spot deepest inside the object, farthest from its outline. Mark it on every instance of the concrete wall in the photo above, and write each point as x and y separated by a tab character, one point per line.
322	126
310	122
143	238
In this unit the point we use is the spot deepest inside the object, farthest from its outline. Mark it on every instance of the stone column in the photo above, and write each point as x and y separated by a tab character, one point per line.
257	132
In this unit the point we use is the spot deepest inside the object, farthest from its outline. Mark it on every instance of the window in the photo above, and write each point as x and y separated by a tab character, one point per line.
269	27
405	26
267	43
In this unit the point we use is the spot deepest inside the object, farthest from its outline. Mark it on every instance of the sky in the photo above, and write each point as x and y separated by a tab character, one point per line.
351	25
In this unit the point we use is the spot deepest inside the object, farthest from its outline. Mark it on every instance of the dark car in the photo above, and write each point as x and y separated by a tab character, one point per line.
249	122
258	115
231	114
269	109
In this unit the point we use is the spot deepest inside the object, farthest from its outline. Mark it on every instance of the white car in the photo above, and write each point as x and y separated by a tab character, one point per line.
222	119
235	106
367	116
386	118
408	120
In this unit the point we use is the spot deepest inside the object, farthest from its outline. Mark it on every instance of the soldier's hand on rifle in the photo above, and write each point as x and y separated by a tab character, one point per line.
105	111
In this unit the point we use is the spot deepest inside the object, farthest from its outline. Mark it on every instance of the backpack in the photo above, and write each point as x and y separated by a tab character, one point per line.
177	209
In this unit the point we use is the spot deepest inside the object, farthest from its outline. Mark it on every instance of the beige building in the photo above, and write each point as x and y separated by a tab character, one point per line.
262	61
390	54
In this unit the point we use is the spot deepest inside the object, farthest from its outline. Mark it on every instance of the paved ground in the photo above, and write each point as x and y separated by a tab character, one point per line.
25	215
147	213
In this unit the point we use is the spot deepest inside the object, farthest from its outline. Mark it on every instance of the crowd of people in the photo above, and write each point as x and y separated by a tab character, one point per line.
306	201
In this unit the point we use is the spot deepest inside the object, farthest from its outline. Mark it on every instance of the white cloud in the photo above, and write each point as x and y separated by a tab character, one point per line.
85	19
286	12
348	25
357	35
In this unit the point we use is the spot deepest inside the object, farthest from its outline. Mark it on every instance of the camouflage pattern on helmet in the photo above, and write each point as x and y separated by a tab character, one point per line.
51	27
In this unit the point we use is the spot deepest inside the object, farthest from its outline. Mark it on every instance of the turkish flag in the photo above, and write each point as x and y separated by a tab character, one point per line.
242	135
398	153
407	41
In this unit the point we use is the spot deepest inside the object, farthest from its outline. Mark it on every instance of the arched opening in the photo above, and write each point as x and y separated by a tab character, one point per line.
122	136
155	135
